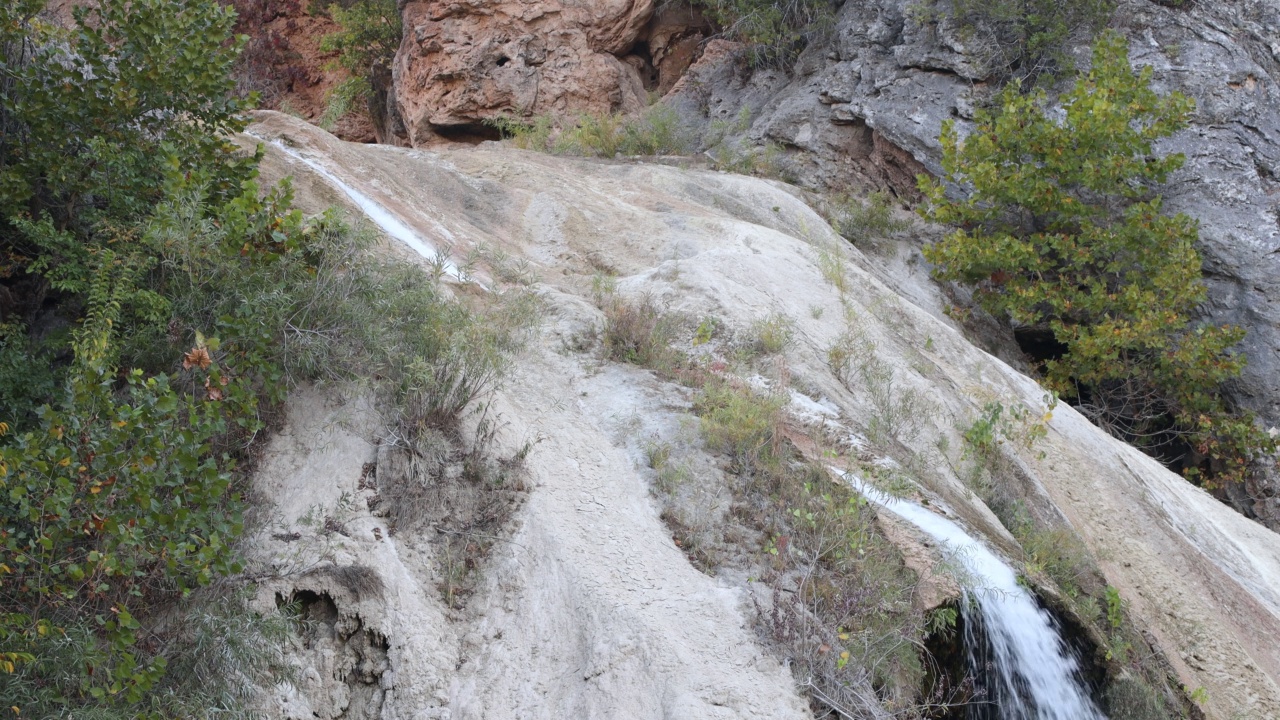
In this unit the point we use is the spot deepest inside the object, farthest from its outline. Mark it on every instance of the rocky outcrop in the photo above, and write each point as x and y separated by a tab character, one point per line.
466	61
865	107
283	63
588	608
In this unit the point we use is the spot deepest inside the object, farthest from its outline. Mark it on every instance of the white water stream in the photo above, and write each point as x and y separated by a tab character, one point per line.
1035	673
380	215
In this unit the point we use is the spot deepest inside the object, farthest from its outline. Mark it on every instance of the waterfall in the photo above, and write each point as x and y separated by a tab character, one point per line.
381	216
1034	674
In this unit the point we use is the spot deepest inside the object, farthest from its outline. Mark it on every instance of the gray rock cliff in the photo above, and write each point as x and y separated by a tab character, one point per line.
866	107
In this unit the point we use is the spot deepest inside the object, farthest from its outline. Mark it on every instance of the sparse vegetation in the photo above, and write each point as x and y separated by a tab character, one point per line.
656	131
639	332
776	32
771	334
841	605
1025	39
861	220
1055	553
900	413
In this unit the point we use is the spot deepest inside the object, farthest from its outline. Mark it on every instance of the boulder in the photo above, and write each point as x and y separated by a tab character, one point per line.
466	61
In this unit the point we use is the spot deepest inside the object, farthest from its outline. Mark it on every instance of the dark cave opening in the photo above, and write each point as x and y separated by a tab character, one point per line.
468	133
1108	407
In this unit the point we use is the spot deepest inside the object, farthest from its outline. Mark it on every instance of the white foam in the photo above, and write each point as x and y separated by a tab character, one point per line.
1038	674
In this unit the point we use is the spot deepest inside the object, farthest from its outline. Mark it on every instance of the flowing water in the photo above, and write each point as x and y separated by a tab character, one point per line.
380	215
1030	673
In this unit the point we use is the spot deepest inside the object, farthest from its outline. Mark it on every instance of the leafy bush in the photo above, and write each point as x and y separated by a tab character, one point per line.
366	46
776	31
1062	231
89	113
1025	39
116	497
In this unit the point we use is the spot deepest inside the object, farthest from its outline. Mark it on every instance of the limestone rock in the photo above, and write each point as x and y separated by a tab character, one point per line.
588	608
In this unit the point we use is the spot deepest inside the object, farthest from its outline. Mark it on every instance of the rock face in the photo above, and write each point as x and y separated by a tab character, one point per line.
468	60
587	607
866	107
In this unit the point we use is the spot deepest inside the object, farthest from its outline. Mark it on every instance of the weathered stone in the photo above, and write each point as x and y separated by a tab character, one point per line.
900	74
464	62
674	36
588	608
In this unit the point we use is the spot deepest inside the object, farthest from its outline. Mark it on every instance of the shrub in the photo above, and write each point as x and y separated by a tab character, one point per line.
116	500
366	46
532	134
1061	231
1025	39
741	424
656	131
771	334
94	118
859	220
777	32
640	332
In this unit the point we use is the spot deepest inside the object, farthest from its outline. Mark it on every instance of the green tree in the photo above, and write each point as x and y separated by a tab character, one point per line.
1061	230
366	46
93	120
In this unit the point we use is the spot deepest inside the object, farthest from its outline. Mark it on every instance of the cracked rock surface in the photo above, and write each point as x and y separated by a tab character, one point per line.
867	105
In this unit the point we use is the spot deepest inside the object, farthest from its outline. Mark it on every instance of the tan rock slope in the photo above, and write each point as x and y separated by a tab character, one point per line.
588	609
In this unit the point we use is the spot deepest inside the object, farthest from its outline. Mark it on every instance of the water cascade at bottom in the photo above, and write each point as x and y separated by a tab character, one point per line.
1031	672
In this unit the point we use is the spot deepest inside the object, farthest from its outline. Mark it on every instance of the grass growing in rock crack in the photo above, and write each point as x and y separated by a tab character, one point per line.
831	592
656	131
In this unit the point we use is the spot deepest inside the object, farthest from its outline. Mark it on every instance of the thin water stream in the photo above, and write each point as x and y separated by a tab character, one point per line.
1031	673
380	215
